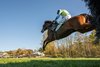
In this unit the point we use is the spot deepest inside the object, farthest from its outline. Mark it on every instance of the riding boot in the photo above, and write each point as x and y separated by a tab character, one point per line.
54	26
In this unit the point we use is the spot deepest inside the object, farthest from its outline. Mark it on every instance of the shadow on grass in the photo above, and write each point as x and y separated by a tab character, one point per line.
54	63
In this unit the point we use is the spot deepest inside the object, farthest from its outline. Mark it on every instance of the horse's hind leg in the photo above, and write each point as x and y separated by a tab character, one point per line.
97	41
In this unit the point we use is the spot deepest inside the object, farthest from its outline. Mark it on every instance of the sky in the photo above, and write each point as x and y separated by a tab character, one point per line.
21	20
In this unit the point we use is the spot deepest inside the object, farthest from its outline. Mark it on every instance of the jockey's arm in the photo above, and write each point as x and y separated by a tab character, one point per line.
57	18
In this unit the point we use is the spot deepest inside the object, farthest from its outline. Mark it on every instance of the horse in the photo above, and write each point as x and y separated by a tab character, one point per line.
80	23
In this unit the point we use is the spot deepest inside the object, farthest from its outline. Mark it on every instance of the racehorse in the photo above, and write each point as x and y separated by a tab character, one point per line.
80	23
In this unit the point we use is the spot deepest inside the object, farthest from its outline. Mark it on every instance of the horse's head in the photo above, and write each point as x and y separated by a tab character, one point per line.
47	24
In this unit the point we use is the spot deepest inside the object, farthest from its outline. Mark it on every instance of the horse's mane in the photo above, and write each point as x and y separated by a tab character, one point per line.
48	21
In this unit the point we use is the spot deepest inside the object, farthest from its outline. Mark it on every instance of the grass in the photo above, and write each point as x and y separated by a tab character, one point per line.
50	62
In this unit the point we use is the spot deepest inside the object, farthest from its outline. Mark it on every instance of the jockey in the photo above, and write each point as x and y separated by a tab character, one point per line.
65	16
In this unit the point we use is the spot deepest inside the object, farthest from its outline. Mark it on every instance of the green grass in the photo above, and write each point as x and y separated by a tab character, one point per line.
50	62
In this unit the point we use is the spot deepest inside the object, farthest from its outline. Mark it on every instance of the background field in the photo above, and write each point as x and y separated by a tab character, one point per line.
50	62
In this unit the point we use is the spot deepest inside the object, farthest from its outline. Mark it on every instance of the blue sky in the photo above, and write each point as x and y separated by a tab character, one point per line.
21	20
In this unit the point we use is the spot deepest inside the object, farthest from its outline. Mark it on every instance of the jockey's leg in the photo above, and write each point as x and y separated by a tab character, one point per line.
62	21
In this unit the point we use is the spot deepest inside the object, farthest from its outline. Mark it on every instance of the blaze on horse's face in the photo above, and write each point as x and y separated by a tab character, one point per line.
47	24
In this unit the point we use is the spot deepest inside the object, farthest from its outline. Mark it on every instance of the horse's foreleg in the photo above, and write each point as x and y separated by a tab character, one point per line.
45	44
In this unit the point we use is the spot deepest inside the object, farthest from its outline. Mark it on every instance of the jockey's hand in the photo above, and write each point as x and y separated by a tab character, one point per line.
54	21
